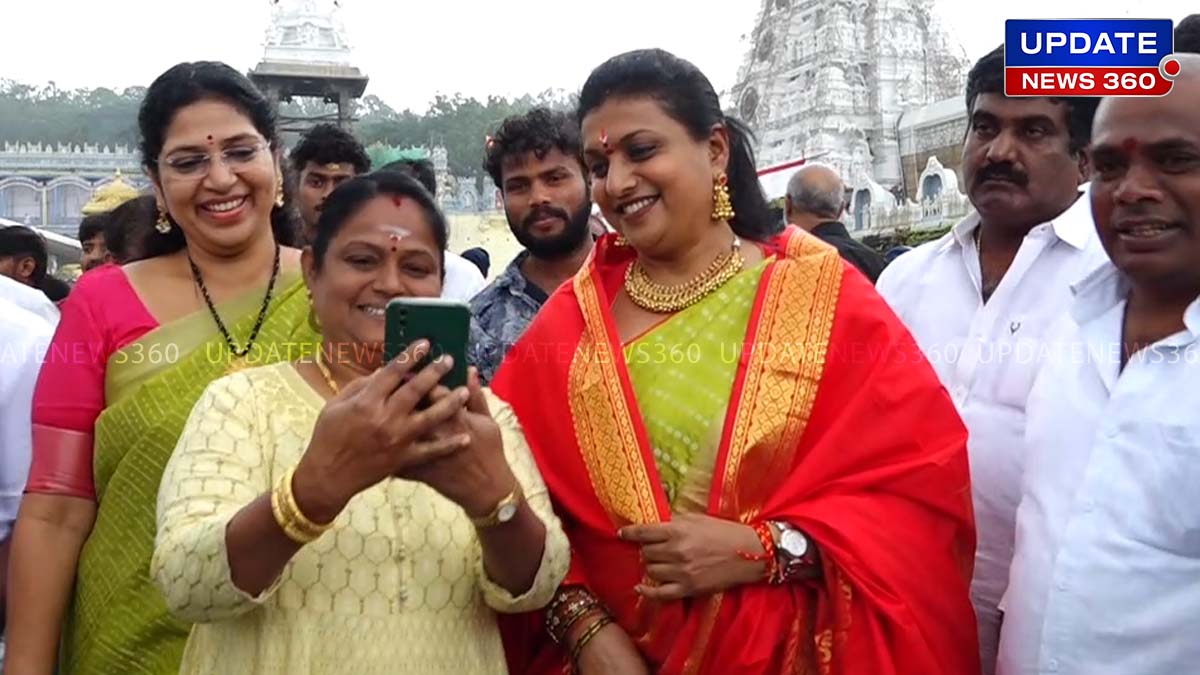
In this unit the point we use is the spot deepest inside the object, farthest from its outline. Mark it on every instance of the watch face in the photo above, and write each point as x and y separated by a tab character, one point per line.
507	513
793	543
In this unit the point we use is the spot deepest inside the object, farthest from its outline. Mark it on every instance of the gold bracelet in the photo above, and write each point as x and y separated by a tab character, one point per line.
298	527
587	636
302	520
285	520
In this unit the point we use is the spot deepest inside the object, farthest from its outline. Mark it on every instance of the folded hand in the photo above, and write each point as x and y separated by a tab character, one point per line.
695	555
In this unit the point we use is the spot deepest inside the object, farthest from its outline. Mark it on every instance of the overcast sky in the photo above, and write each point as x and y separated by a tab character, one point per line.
414	49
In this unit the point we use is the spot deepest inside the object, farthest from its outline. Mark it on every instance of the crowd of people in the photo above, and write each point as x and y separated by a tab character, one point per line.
693	438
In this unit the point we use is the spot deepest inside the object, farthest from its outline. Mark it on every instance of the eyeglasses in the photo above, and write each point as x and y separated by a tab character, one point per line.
236	158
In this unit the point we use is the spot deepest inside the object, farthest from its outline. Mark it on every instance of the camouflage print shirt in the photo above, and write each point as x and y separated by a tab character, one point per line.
501	312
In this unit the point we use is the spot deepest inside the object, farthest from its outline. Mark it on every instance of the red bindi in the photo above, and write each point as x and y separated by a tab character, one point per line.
398	200
1129	145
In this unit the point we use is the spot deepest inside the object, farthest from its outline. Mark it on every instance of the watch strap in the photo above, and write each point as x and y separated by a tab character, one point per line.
511	500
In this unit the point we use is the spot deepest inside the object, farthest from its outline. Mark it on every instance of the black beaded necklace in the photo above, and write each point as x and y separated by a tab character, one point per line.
262	312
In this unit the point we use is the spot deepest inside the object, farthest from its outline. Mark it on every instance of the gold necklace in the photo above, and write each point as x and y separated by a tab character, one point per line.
333	385
663	299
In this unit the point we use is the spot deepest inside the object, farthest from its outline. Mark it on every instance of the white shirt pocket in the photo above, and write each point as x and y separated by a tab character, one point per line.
1017	360
1176	462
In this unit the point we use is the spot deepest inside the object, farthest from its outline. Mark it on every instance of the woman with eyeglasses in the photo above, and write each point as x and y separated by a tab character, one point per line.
221	290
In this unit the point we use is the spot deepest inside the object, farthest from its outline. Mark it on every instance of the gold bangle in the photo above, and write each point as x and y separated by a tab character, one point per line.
302	521
587	636
285	520
298	527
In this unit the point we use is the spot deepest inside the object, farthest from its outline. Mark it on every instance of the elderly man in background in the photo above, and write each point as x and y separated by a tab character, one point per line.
816	198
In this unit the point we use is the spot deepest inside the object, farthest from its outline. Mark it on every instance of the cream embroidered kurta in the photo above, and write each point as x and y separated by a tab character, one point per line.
397	586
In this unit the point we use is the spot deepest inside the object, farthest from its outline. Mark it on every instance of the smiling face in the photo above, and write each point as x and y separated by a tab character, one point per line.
386	249
224	208
1017	161
546	202
1146	186
652	180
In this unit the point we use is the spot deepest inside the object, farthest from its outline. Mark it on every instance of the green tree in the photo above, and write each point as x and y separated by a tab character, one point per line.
103	116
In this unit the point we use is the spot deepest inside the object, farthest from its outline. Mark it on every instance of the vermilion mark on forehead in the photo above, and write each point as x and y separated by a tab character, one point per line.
1129	145
398	200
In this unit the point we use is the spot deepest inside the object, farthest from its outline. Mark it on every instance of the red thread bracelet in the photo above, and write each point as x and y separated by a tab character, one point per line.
768	555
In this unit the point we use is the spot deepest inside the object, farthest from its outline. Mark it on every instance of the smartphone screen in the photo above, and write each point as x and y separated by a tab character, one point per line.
445	324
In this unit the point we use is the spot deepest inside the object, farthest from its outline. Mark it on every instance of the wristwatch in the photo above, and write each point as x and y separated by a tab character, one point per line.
504	512
793	550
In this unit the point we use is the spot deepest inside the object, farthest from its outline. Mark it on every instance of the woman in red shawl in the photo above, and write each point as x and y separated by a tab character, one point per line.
757	470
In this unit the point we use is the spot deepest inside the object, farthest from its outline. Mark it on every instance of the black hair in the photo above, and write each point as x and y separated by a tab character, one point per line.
127	226
987	77
18	241
480	257
56	289
349	197
1187	35
537	131
329	144
689	98
182	85
92	225
420	169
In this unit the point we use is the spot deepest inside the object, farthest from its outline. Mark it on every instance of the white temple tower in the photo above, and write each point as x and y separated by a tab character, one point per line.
830	78
307	54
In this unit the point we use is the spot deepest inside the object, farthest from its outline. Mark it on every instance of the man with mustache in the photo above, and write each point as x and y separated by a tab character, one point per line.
536	161
1106	573
980	299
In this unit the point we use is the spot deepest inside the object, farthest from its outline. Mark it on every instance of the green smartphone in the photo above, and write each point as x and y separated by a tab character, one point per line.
446	324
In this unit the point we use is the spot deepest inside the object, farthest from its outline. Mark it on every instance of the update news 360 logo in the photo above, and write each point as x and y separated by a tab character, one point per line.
1088	57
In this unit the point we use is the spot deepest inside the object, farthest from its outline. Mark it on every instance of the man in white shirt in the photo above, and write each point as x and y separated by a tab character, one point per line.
24	338
29	299
979	300
1106	575
463	279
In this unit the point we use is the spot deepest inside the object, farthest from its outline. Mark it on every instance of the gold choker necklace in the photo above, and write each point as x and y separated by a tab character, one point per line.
664	299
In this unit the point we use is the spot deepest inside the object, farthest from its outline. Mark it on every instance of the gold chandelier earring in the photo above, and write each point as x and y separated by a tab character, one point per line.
722	204
163	224
279	190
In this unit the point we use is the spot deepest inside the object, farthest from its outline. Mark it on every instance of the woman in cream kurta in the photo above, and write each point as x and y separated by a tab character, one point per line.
395	587
317	519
